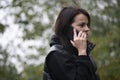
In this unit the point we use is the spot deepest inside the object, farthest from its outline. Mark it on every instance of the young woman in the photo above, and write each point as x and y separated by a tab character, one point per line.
69	56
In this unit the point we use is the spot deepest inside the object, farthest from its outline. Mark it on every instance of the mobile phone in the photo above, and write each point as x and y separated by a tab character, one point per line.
70	33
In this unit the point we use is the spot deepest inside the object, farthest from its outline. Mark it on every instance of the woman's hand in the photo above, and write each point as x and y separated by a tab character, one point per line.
80	42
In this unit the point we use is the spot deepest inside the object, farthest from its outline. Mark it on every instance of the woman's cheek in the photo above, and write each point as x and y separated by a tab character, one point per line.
78	29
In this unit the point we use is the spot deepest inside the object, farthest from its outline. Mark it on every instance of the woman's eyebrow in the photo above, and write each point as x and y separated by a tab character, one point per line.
82	23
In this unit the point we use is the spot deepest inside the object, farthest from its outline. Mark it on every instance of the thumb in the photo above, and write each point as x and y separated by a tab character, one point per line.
72	42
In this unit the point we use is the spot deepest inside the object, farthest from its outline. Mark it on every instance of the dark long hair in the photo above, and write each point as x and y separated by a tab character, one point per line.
65	19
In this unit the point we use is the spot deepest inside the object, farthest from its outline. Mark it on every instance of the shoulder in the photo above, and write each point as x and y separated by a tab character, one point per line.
57	52
54	51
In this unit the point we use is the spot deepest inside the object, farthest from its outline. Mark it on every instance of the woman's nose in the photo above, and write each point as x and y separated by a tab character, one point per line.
86	28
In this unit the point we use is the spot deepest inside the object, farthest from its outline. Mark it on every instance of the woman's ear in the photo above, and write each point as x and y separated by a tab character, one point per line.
73	24
74	27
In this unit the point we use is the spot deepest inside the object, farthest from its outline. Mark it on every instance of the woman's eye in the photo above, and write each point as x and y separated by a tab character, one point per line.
82	24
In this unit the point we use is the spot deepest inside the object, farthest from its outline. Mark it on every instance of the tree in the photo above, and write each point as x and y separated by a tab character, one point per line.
7	69
32	72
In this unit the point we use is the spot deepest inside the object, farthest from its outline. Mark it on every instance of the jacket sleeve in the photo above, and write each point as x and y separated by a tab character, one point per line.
62	68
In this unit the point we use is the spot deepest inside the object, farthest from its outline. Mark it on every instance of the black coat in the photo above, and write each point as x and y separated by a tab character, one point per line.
64	63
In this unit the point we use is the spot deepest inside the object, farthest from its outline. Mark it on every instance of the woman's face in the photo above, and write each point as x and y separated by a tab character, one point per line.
81	23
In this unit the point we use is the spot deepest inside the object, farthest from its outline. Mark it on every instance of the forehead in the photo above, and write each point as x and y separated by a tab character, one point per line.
81	18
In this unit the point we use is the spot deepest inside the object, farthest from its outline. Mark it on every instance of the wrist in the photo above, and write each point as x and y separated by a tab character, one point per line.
82	52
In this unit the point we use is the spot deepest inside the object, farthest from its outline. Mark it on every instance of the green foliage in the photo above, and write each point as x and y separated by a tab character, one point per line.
106	30
32	72
7	70
2	27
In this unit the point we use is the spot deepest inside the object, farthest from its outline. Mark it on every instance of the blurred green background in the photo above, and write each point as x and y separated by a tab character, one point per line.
27	25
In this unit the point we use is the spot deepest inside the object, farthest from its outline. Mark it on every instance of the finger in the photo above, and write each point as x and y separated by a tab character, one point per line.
84	36
75	33
72	43
79	34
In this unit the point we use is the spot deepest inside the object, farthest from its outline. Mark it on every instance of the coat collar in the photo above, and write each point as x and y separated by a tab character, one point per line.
56	41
